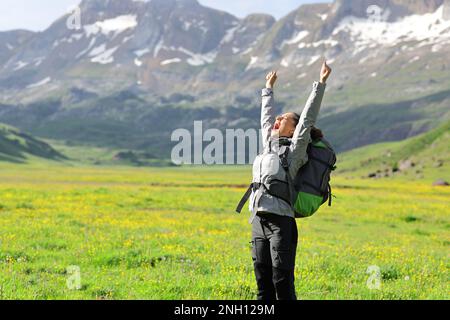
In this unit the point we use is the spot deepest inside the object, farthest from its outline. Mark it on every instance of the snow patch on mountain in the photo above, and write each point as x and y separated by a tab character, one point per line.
323	17
198	59
186	25
72	38
247	51
326	42
105	56
313	60
253	61
229	35
126	39
20	65
195	59
426	27
91	29
416	58
98	50
116	25
295	39
437	47
89	47
141	52
38	61
158	47
170	61
40	83
192	24
284	63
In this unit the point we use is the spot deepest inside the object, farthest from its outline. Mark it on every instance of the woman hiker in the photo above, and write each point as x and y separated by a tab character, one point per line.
274	229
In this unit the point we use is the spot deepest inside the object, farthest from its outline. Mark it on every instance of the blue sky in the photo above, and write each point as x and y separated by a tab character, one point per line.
39	14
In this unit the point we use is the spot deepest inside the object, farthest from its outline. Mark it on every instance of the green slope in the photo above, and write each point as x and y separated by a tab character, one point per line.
16	146
82	155
428	154
22	148
378	123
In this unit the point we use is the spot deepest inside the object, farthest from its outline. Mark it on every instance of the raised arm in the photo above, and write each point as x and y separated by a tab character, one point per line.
267	116
308	118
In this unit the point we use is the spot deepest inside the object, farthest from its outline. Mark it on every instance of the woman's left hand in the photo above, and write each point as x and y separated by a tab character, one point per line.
325	72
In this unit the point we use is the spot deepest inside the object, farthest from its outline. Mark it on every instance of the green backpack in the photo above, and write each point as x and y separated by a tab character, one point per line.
311	187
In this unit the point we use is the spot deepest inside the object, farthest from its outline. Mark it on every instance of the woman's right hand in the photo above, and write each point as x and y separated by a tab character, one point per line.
271	79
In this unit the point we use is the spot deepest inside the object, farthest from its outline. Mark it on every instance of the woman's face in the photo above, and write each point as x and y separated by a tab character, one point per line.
284	125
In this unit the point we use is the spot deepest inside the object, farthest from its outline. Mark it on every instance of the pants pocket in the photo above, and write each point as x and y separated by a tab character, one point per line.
283	257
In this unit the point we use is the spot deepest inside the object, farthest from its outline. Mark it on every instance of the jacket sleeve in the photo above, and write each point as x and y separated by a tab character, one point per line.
267	116
302	134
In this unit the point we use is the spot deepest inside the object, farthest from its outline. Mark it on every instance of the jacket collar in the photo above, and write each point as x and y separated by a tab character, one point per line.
276	144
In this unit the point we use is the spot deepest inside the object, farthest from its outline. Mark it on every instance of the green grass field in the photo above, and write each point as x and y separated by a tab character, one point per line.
171	233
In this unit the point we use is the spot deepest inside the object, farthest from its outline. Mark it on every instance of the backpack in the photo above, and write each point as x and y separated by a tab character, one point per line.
310	188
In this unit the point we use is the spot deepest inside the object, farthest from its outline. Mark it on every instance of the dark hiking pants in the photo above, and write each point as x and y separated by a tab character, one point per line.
274	245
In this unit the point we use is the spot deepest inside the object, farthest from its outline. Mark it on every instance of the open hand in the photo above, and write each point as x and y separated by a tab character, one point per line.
271	79
325	72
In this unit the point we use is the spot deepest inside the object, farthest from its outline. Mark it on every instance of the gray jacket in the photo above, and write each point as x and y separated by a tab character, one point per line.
267	166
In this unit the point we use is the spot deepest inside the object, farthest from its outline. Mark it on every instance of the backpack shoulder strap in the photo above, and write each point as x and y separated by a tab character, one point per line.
244	199
285	165
325	142
284	159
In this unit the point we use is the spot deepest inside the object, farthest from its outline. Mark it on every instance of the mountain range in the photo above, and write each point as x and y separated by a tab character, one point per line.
133	71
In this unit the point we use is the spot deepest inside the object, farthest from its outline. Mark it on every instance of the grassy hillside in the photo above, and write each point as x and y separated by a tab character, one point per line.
78	154
377	123
16	146
422	157
19	147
